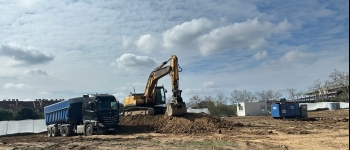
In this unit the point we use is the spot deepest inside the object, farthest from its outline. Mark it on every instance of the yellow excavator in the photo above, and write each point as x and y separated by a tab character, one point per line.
150	102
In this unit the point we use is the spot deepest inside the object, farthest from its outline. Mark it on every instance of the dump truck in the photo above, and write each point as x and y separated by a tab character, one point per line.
89	114
150	102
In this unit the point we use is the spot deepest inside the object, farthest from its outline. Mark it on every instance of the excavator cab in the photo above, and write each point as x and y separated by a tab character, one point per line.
160	95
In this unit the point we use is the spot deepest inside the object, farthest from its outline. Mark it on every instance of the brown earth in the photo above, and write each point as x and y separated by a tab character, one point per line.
190	123
322	130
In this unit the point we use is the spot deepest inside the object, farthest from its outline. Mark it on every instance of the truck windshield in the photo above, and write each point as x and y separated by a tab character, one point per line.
108	105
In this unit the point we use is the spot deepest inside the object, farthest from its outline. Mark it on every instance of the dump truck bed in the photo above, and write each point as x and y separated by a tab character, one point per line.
68	111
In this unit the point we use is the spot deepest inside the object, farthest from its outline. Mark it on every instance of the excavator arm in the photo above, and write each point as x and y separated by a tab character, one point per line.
176	97
152	82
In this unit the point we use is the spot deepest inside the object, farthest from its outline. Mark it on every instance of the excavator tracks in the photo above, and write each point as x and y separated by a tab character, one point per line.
138	111
170	110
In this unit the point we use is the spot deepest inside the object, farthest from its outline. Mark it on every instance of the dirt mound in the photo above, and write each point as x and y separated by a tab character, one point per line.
190	123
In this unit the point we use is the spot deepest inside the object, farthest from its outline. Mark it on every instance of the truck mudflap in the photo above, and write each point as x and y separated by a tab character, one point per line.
173	109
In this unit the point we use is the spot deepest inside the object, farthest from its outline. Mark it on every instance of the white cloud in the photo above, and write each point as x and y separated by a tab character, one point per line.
23	55
136	84
260	55
282	26
146	43
135	63
127	41
36	72
208	88
120	96
208	84
249	34
183	35
14	86
43	93
202	91
298	57
85	36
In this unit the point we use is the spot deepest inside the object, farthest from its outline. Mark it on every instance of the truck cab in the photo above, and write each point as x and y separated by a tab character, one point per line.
101	112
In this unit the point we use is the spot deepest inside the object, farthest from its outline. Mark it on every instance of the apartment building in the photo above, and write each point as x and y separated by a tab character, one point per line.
14	105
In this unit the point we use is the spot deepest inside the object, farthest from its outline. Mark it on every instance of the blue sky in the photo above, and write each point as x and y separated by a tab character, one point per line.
63	49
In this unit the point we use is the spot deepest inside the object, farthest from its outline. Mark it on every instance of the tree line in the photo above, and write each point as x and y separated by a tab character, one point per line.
337	80
22	114
219	105
222	105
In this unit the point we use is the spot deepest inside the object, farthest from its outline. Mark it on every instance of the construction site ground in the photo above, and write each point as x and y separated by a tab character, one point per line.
322	130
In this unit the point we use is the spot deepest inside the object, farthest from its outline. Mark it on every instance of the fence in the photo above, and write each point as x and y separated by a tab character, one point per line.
22	126
324	105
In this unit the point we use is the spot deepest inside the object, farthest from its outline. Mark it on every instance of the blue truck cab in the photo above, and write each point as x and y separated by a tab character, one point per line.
89	114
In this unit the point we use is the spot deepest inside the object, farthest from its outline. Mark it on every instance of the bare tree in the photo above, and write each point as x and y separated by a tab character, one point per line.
242	96
248	96
236	97
208	98
317	89
221	98
327	85
291	92
298	95
266	95
341	80
194	101
277	96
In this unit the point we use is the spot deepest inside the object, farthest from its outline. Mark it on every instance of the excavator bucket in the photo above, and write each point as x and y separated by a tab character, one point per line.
176	110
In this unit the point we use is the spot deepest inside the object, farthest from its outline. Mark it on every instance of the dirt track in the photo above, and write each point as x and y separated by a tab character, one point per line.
322	130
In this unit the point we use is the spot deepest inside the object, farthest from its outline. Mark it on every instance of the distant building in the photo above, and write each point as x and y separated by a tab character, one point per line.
317	94
14	105
252	109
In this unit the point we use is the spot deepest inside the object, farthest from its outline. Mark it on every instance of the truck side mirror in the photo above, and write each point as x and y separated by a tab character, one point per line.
165	91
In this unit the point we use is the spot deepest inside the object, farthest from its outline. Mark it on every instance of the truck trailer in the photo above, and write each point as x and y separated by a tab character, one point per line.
89	114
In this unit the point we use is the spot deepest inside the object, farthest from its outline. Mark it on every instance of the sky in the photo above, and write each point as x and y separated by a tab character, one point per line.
62	49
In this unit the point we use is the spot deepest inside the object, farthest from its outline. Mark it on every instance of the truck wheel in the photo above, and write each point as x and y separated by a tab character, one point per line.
88	129
53	132
49	132
64	131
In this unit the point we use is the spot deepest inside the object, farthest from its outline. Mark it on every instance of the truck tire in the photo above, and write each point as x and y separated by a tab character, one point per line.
53	132
49	132
89	130
65	131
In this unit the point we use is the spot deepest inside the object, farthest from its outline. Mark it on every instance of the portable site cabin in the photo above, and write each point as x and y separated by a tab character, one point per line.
252	109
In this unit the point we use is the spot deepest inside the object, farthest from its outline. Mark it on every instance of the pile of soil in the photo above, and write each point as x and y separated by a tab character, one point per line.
189	123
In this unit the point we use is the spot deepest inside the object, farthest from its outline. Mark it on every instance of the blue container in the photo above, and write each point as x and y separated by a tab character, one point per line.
285	110
68	111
